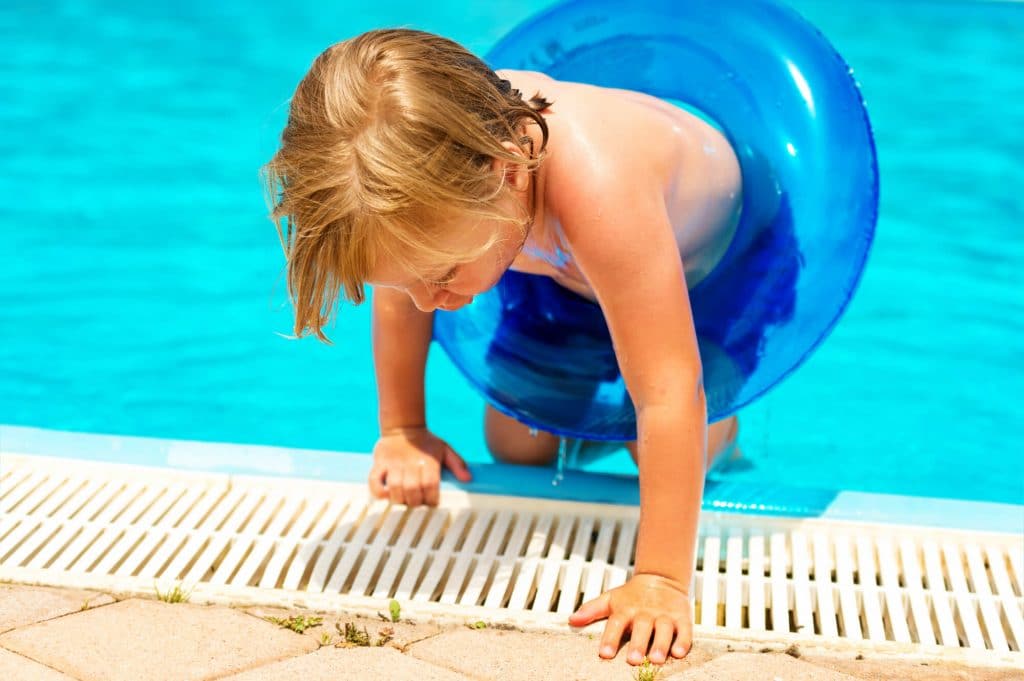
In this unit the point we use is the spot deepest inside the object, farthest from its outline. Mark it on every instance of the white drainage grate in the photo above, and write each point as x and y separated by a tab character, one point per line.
327	545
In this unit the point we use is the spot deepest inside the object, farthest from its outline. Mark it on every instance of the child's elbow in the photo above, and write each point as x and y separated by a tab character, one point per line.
683	389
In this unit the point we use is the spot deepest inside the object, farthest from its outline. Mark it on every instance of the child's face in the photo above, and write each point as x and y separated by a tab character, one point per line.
455	287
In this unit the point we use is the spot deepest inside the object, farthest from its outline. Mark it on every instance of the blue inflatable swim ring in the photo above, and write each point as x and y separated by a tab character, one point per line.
791	110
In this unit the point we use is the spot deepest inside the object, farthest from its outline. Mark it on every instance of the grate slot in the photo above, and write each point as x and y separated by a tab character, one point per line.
550	568
135	532
712	553
966	610
300	570
756	589
823	585
271	575
452	537
525	581
167	550
377	552
152	536
485	561
569	597
506	570
420	556
1011	608
912	576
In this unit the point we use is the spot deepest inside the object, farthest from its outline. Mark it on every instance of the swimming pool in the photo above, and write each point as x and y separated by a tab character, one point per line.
141	284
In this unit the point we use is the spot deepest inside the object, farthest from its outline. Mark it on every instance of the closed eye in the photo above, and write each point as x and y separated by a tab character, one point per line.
447	278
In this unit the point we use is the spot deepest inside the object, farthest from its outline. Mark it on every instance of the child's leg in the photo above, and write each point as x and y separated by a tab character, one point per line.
722	438
513	442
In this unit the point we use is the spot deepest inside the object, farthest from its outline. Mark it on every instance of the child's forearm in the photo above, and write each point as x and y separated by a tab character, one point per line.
671	459
401	340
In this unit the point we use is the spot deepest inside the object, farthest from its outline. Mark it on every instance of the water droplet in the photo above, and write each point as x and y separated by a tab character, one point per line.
563	450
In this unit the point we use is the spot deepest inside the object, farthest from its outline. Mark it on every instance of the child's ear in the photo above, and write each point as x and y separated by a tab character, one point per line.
516	175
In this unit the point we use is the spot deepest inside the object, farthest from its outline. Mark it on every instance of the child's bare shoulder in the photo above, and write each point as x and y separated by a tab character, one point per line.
637	160
603	124
603	134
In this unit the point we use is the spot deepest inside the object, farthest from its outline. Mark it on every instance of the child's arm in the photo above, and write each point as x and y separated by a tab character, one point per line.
622	240
407	457
401	338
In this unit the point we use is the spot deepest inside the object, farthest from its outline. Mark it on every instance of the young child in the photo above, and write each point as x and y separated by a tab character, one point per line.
409	165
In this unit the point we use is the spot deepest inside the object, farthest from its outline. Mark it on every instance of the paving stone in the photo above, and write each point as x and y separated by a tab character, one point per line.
759	667
402	634
351	664
512	655
873	669
142	640
14	666
22	605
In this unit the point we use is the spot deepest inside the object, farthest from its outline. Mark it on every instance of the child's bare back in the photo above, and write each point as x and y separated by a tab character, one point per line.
689	160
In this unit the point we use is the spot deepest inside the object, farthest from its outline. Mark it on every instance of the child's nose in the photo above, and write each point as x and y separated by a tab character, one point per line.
428	298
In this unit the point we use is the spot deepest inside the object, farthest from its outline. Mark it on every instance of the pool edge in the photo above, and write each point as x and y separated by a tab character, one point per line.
508	480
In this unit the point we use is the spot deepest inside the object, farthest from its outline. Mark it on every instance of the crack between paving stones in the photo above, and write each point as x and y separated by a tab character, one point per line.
39	662
62	616
404	650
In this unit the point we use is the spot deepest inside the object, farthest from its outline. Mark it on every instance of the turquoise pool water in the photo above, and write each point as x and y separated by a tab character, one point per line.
141	286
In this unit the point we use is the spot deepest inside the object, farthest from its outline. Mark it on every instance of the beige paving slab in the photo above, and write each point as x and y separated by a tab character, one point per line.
22	605
142	640
14	666
512	655
402	634
759	667
351	664
872	669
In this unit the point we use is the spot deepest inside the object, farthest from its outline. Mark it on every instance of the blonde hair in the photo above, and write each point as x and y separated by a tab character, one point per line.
388	133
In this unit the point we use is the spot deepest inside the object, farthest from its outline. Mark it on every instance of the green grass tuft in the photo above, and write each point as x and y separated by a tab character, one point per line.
646	671
173	595
297	623
352	636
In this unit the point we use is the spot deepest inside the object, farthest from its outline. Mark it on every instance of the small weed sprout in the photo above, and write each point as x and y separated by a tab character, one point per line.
477	625
297	623
172	595
646	671
394	612
354	637
384	635
351	636
325	639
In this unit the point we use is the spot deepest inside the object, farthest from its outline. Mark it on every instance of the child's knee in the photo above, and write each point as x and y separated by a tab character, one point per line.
510	441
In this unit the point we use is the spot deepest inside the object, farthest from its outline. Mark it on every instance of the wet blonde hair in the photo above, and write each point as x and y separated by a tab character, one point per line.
387	134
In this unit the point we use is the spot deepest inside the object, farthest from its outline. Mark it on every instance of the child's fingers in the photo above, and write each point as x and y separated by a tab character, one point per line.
591	611
376	480
396	489
413	493
430	482
684	638
664	629
457	465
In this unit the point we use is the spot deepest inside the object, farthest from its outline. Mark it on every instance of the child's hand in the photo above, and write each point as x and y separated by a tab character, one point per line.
644	605
407	467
